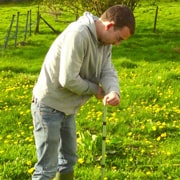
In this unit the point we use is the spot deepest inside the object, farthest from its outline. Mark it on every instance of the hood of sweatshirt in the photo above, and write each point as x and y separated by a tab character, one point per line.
88	20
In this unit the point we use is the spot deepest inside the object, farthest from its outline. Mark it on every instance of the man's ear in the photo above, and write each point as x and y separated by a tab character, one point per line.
109	25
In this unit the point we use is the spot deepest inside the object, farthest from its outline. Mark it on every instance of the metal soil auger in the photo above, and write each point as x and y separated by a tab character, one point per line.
103	142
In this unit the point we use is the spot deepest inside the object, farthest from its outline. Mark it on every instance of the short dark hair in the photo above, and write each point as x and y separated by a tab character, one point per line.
121	15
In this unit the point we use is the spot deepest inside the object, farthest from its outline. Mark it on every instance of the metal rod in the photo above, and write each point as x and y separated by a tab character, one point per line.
103	142
9	31
30	22
17	27
155	19
26	27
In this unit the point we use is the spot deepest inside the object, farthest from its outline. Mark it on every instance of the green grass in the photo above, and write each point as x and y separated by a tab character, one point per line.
143	139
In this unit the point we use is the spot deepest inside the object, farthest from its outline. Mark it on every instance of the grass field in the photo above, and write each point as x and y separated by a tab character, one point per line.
143	133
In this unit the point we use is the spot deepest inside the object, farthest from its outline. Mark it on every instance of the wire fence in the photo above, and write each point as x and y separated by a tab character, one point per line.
20	27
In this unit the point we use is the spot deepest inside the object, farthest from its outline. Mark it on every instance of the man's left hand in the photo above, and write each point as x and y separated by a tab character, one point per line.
112	99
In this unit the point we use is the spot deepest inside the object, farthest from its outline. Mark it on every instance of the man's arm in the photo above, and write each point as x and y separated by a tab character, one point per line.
72	54
110	83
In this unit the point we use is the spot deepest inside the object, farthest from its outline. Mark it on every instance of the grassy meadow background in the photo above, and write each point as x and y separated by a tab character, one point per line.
143	133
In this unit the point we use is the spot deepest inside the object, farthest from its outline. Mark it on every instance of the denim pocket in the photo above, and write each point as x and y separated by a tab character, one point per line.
49	115
44	109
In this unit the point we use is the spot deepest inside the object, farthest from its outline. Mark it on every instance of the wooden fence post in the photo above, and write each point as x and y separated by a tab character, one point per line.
26	27
38	21
48	25
30	22
17	26
9	31
155	19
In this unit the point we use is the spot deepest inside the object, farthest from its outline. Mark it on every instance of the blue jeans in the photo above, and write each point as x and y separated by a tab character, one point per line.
55	139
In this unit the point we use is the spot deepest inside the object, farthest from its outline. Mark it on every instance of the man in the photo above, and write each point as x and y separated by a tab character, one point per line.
77	66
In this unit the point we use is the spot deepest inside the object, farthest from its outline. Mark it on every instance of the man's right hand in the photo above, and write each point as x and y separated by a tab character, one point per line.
100	94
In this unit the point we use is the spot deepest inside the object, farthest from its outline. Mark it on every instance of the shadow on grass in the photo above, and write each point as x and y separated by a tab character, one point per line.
20	69
150	47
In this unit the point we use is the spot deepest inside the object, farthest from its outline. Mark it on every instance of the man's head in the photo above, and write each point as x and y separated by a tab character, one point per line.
117	23
121	16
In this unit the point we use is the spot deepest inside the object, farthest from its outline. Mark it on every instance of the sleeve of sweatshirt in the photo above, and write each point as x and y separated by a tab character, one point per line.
109	78
72	55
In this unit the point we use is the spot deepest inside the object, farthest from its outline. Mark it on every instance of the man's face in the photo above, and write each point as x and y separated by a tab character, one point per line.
115	37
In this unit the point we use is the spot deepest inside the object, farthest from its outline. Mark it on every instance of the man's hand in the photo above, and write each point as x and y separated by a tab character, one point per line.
112	99
100	94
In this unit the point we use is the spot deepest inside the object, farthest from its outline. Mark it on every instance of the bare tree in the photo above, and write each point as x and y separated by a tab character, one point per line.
77	7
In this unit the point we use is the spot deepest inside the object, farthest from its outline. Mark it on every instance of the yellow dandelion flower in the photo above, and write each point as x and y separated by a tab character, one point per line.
168	153
31	139
107	140
80	160
99	113
129	109
163	135
114	168
21	112
159	138
78	140
1	152
148	173
30	127
30	171
147	142
116	119
19	123
111	119
131	159
6	141
28	111
130	134
114	114
132	115
15	142
29	163
154	128
9	136
94	137
164	124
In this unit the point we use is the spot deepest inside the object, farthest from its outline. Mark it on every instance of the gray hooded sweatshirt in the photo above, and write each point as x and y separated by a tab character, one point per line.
75	65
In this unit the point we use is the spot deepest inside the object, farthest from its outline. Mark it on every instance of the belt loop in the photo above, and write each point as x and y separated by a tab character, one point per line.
34	100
